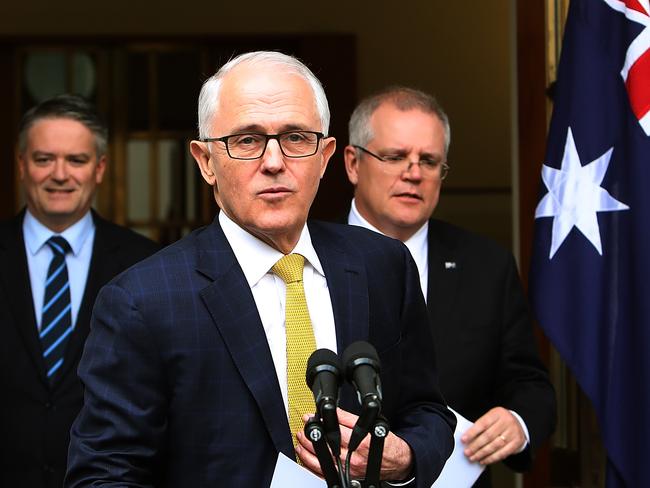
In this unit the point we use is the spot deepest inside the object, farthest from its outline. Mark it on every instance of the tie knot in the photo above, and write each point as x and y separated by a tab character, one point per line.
289	268
59	245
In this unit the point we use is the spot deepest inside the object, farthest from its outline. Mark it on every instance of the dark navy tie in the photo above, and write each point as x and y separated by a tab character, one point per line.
56	321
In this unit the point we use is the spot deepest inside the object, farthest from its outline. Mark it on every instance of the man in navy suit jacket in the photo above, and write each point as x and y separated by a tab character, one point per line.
185	369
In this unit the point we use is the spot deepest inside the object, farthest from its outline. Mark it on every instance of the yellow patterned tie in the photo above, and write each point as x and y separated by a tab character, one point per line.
300	340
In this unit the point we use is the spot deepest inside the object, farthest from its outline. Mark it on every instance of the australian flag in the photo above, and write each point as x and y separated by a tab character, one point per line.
590	275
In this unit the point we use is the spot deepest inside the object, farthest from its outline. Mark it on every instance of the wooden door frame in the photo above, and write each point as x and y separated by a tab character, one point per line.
532	127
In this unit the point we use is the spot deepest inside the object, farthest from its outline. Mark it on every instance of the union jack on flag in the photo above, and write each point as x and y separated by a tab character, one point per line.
636	70
590	271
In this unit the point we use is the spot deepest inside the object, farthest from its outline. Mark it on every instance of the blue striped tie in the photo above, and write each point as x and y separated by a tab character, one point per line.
56	322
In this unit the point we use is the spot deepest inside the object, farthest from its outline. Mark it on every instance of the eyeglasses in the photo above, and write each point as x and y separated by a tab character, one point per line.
293	144
399	163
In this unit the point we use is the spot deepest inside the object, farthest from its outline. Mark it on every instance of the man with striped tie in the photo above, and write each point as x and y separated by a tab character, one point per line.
54	257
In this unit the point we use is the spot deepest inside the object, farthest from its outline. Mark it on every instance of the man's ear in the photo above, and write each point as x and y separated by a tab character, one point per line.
351	164
101	169
201	155
329	146
21	165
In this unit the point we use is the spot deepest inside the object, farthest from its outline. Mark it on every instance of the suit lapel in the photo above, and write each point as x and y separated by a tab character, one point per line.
444	273
232	307
348	288
19	292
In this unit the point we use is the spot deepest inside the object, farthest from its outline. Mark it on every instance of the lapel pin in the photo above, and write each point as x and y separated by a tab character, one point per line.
450	264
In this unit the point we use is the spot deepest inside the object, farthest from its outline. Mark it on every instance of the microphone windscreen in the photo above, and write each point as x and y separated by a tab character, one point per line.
360	350
322	360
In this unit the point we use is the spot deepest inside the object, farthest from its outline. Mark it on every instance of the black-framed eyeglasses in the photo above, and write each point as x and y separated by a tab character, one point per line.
251	145
397	164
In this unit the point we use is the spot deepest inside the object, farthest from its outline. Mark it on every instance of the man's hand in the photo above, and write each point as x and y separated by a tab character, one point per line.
493	437
396	463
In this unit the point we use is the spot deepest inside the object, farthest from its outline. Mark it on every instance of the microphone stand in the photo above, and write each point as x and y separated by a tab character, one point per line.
378	435
315	433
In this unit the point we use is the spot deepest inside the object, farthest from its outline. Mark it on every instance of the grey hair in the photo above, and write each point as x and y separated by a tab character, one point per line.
66	106
209	96
404	98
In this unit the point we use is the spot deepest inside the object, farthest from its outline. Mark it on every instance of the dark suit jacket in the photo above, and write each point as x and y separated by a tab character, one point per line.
180	384
35	418
483	335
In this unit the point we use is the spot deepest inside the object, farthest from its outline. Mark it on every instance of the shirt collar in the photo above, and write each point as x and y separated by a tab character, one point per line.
36	234
255	257
415	241
355	218
419	239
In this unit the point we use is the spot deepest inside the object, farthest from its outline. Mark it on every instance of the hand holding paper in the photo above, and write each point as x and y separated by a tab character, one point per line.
493	437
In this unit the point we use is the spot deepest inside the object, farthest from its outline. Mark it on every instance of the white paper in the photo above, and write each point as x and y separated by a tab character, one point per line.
288	473
459	471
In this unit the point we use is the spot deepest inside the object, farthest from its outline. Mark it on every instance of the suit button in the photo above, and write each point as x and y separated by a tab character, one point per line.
48	405
48	469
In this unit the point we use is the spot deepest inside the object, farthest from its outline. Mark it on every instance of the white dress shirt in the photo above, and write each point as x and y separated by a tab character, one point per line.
418	245
80	236
256	258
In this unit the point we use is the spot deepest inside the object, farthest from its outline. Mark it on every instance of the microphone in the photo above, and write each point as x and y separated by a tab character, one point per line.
323	378
362	370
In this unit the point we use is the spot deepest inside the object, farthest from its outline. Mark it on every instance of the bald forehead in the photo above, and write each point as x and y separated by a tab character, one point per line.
257	92
248	77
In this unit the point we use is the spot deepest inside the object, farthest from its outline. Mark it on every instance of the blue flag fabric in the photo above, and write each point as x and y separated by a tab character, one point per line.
590	271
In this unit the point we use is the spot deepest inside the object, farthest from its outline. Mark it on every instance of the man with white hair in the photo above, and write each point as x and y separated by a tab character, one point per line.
195	366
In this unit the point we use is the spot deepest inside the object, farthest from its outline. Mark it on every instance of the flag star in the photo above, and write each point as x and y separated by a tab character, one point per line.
575	196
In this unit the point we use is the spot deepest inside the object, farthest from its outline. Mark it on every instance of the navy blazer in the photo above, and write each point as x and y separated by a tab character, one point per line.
181	388
483	335
35	417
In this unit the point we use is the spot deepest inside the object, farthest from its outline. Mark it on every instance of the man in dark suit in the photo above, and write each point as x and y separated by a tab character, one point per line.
190	365
62	158
489	368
